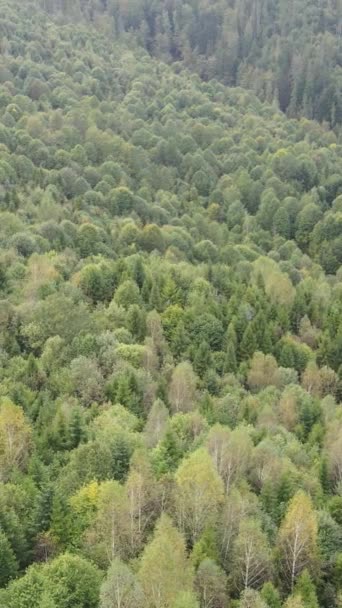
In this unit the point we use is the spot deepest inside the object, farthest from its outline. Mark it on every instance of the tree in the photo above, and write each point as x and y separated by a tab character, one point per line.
230	365
164	568
251	556
248	343
305	589
182	389
96	281
69	581
198	493
263	371
72	582
122	201
270	595
186	599
108	535
230	451
120	589
127	294
237	507
156	423
211	585
294	602
251	599
25	592
206	548
15	438
297	539
202	359
152	238
142	500
87	380
136	322
8	562
281	223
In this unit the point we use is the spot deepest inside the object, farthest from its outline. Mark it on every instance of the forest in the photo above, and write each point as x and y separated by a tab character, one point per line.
170	308
289	52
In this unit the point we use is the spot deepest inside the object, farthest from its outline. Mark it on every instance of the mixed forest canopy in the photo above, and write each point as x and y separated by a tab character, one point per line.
289	52
170	307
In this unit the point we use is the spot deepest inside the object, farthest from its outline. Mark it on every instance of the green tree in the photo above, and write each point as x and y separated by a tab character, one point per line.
15	438
182	388
251	556
199	493
270	595
210	584
8	562
305	589
297	539
164	568
120	589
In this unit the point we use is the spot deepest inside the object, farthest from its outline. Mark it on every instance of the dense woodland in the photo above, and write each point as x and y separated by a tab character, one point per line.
289	52
171	316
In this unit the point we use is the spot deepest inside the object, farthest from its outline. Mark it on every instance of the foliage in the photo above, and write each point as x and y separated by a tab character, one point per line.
170	304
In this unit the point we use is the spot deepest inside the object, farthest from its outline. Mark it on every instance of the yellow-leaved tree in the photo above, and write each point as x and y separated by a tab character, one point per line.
15	438
297	540
165	570
198	494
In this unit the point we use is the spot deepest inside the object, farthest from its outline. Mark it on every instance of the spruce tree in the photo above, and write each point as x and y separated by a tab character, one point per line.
8	562
248	343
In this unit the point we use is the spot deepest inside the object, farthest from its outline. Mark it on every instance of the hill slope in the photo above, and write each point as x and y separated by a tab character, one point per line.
287	52
171	337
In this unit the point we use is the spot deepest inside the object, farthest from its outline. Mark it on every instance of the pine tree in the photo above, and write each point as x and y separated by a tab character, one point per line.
61	527
43	510
230	365
8	562
167	454
281	223
248	343
76	428
155	299
138	272
179	341
33	373
136	322
202	359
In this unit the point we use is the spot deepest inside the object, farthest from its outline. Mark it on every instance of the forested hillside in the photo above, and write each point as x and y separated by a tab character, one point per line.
288	52
171	332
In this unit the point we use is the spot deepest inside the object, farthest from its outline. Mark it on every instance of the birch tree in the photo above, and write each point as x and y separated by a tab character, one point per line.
108	537
230	451
252	556
142	499
120	589
182	388
297	539
198	493
164	569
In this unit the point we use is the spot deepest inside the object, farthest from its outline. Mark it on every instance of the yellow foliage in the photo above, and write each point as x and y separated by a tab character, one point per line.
86	498
40	271
15	438
277	284
199	492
